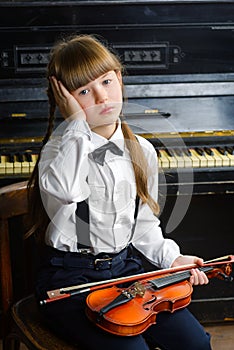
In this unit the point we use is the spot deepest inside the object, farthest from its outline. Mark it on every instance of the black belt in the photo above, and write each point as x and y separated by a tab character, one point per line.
100	262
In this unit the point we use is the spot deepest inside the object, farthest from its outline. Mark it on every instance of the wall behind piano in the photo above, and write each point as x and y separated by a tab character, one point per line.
180	78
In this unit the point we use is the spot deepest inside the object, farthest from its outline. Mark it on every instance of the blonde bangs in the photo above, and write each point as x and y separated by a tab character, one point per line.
82	61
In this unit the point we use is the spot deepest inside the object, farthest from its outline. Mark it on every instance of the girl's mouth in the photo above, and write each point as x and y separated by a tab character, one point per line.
106	110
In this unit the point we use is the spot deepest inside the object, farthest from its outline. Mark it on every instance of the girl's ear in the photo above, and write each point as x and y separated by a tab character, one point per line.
119	76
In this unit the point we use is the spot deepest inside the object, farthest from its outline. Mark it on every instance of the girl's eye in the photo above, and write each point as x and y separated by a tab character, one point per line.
106	81
83	92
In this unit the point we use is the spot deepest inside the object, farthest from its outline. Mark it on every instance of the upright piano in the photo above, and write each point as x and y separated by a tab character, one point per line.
179	59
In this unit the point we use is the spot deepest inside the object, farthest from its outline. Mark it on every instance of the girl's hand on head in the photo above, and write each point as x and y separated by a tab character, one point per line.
197	277
67	104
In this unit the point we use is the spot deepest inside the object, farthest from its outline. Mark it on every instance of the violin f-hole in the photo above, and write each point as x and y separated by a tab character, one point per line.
152	300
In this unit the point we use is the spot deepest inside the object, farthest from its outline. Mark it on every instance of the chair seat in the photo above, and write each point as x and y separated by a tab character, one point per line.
35	333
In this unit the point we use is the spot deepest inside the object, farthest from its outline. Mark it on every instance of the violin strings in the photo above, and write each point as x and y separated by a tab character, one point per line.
162	282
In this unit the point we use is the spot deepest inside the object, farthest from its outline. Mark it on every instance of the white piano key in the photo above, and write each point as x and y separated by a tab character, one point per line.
163	159
3	165
195	158
219	160
17	165
9	166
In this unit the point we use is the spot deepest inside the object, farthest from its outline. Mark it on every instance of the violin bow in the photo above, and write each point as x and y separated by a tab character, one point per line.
66	292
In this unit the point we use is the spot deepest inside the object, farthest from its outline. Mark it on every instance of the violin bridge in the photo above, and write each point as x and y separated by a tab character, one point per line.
137	289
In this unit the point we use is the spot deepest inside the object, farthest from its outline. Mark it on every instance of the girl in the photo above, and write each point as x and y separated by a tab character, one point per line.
94	202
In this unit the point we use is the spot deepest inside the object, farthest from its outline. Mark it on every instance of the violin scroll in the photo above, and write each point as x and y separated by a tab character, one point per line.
222	272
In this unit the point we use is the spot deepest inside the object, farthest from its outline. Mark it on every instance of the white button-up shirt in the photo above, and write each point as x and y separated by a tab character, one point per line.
68	176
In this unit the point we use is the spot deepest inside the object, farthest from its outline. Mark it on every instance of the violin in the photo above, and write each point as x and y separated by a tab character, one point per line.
130	311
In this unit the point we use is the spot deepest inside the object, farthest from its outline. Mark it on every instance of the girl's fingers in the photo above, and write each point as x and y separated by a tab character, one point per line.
198	277
62	90
67	104
55	88
194	277
59	89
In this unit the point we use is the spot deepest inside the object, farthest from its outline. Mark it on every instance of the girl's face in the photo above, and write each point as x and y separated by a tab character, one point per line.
101	99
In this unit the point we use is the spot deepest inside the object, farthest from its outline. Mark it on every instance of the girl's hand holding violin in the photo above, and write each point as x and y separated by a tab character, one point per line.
197	277
67	104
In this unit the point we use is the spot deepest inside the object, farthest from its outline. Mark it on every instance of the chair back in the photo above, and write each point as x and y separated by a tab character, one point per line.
13	205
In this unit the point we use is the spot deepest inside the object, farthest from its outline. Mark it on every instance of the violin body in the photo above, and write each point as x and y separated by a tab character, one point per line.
136	315
130	311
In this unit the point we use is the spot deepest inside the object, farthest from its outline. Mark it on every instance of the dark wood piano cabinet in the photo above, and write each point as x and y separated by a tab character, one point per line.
180	86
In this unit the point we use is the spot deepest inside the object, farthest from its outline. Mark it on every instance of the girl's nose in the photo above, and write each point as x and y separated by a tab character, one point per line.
100	95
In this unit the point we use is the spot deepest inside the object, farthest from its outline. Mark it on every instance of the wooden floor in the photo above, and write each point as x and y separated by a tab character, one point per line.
222	337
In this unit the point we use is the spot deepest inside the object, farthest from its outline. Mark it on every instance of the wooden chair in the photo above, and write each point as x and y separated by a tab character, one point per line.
21	320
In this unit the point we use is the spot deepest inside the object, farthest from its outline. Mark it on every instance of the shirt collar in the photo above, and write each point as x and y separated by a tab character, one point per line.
117	138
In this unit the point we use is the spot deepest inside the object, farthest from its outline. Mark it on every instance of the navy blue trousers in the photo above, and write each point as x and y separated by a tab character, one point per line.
173	331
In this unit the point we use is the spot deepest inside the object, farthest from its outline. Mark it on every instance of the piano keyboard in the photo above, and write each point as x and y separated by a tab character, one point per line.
22	163
17	164
196	157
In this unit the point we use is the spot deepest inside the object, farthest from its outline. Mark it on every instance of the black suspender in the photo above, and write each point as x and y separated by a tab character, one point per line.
82	224
137	201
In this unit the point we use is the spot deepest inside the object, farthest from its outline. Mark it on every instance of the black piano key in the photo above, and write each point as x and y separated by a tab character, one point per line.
11	158
169	152
208	151
28	157
230	150
187	152
222	150
20	157
178	152
200	151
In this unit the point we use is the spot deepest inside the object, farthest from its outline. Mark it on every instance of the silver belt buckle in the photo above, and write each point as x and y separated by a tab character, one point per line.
100	261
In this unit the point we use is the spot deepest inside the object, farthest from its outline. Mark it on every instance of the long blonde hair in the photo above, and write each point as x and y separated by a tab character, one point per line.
76	61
